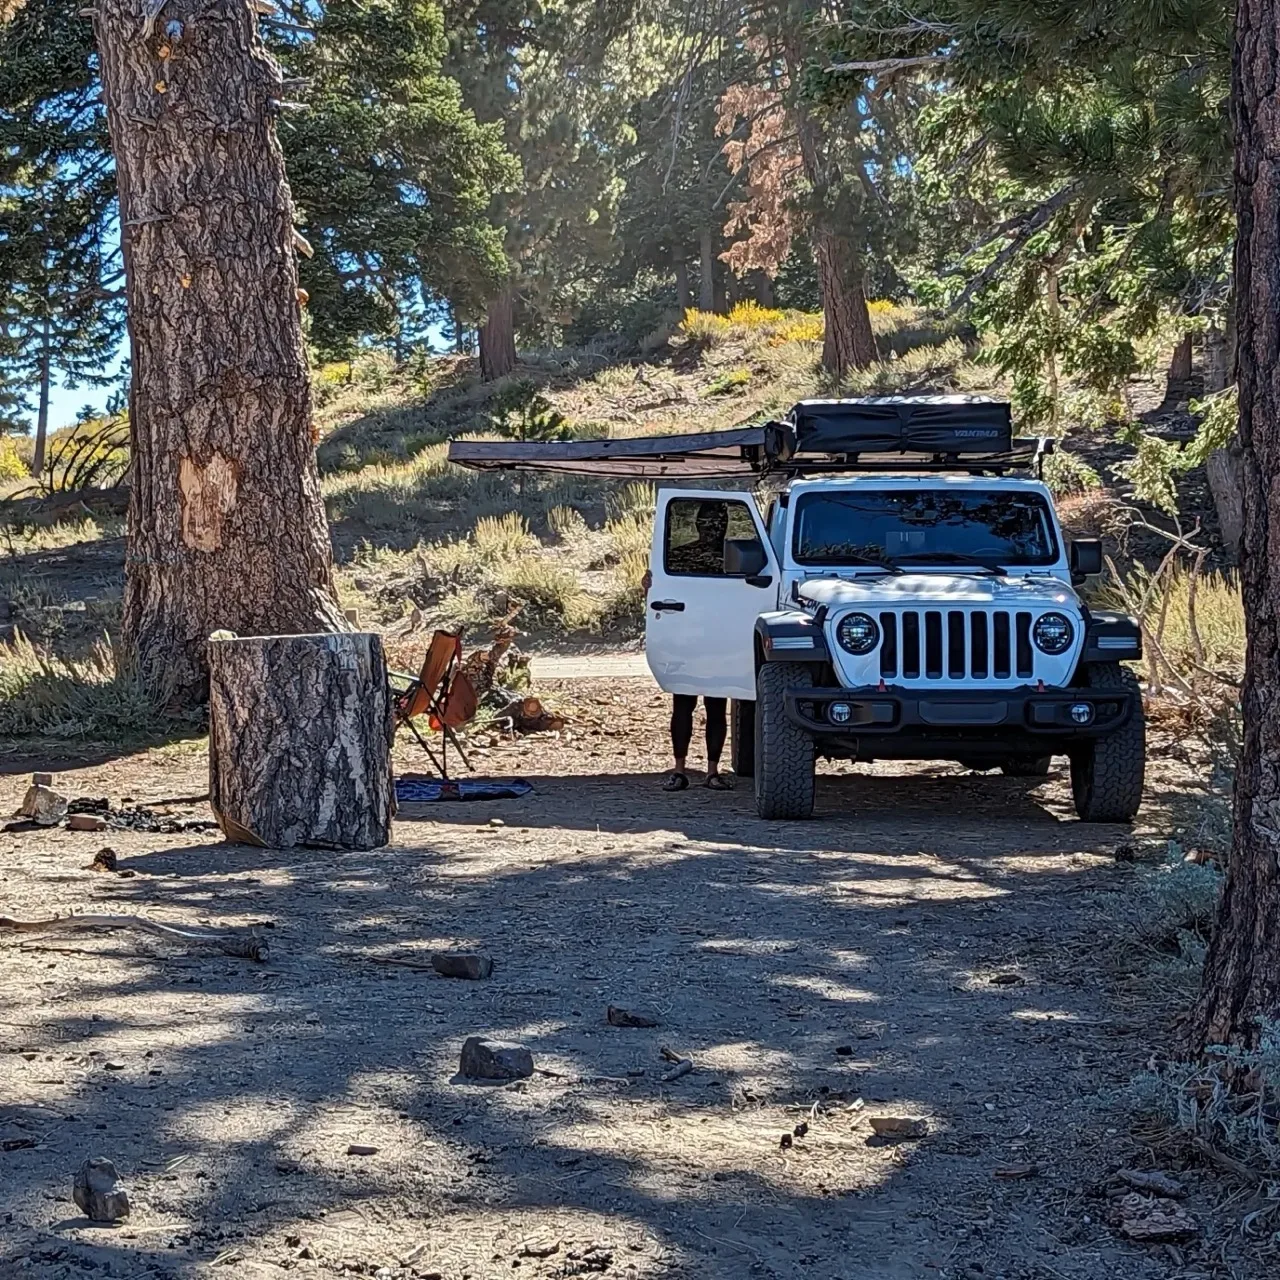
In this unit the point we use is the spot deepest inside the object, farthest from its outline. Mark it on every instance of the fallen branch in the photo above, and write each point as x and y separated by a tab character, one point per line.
248	946
1224	1161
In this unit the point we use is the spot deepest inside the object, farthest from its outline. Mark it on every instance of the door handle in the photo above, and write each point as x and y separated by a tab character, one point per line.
667	606
760	580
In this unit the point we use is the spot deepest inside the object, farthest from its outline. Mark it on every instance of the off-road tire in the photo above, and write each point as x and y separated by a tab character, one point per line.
783	754
1107	775
1027	767
742	737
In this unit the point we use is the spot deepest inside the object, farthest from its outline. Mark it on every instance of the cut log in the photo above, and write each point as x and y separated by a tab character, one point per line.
300	732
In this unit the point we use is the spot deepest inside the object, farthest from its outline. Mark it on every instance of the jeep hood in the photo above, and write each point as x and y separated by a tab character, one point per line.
902	591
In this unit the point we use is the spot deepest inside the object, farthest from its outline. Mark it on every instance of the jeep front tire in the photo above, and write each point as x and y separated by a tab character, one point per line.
784	753
1107	774
742	737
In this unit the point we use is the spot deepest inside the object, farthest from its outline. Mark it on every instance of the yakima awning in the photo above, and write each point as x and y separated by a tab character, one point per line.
875	433
682	457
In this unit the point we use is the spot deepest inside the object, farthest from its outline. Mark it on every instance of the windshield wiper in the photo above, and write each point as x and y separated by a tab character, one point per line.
847	557
956	557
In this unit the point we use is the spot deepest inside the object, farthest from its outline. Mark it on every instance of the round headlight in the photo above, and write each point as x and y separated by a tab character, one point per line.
1053	633
857	633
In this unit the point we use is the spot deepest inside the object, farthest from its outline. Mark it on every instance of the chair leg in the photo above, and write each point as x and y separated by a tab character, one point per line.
422	742
450	736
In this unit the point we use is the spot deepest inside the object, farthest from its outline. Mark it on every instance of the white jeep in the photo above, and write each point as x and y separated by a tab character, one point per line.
924	617
911	597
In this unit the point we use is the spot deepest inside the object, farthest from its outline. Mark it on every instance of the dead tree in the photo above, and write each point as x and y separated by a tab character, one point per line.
226	521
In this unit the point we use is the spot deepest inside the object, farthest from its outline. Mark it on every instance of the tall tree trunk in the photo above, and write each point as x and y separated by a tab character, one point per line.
1241	984
706	271
227	525
498	337
847	341
1180	364
42	409
684	298
764	289
1222	467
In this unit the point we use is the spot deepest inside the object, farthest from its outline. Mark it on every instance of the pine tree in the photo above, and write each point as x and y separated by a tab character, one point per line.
393	177
61	313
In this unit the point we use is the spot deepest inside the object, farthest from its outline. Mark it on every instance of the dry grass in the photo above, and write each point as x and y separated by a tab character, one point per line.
96	697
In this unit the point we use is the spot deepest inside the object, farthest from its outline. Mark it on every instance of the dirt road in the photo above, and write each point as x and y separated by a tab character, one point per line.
928	948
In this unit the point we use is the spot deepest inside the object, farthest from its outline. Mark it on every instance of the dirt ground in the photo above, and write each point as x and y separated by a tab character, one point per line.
932	946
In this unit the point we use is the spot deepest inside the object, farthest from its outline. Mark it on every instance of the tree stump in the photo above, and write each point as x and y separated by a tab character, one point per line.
300	731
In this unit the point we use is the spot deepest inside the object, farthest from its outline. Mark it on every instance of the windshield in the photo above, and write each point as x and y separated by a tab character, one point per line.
919	526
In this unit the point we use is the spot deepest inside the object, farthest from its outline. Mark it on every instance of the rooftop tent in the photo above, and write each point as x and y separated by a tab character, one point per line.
817	434
953	425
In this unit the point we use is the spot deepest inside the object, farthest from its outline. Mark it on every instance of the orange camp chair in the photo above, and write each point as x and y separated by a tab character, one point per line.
442	692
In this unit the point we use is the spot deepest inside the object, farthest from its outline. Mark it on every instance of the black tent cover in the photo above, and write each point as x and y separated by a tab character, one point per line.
932	426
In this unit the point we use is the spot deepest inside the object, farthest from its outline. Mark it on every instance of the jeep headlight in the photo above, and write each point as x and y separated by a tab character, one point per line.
1053	633
857	633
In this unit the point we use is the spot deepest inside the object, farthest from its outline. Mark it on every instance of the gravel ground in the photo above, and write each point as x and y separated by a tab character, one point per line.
932	947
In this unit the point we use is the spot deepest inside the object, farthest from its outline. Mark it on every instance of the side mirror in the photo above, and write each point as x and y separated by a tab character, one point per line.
1086	558
744	557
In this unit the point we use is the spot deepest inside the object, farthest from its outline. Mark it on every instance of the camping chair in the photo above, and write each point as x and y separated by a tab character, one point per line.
443	693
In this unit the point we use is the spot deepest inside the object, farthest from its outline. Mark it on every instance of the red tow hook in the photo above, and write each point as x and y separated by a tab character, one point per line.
883	688
1040	687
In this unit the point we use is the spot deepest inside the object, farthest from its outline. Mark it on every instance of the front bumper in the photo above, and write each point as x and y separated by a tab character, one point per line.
1057	713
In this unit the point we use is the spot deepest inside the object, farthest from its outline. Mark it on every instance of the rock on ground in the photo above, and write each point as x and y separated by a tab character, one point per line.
98	1193
484	1059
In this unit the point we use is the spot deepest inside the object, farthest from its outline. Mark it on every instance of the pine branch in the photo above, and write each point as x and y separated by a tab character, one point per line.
886	66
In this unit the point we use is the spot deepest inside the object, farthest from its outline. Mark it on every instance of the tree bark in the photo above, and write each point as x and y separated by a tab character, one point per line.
1241	984
1180	364
42	409
706	271
227	524
684	298
300	731
498	337
847	341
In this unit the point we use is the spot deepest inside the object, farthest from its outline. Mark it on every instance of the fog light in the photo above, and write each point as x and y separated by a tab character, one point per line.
1081	712
839	712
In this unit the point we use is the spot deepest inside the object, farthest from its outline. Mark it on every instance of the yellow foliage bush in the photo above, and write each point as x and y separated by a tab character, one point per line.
12	466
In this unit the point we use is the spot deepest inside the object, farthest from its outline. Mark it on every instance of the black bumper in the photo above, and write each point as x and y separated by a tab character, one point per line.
890	711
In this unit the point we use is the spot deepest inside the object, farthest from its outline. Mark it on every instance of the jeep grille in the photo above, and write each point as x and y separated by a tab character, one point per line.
955	644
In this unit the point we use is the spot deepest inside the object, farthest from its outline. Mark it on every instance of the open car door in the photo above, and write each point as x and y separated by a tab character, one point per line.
714	573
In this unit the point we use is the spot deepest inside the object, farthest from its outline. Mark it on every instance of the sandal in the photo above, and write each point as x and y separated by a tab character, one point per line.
676	781
718	782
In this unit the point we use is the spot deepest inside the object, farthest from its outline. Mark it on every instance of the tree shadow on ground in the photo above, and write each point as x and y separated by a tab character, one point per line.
942	968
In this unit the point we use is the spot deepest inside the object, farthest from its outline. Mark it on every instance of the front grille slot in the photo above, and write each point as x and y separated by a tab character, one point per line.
888	645
978	645
956	644
911	646
1026	660
933	645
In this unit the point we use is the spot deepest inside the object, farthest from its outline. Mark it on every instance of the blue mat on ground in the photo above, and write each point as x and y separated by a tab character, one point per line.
414	788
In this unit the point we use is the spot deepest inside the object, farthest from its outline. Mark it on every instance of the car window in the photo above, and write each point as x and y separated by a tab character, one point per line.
1005	526
696	533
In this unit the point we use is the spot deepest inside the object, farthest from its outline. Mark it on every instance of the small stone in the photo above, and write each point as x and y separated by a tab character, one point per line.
1006	980
361	1149
801	1129
104	860
484	1059
787	1141
899	1126
1141	1217
496	822
86	822
540	1250
844	1051
462	964
44	806
617	1016
42	779
292	1241
114	1064
98	1193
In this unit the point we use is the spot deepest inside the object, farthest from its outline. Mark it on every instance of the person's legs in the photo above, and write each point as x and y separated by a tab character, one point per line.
717	730
682	708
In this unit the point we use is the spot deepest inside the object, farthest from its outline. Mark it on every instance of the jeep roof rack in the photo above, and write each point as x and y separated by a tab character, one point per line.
875	433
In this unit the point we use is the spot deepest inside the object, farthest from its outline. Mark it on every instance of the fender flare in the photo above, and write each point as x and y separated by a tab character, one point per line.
790	635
